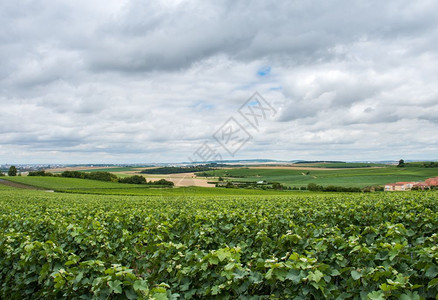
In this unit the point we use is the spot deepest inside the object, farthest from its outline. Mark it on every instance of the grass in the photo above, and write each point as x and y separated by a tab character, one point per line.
5	187
85	186
341	165
60	183
288	177
348	177
182	191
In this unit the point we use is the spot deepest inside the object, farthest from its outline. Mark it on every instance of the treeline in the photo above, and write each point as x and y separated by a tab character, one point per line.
332	188
431	164
42	173
137	179
103	176
251	185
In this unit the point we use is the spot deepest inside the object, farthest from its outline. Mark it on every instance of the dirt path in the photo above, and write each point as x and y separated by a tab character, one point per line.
181	179
17	185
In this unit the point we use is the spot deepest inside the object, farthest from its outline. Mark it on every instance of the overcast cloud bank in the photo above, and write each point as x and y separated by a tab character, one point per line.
128	81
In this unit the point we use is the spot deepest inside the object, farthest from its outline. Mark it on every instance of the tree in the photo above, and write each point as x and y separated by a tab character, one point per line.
277	186
136	179
314	187
12	171
401	163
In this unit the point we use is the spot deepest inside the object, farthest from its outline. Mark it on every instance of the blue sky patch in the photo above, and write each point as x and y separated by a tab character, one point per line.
264	71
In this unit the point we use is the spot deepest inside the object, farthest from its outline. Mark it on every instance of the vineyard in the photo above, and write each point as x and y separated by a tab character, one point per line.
309	246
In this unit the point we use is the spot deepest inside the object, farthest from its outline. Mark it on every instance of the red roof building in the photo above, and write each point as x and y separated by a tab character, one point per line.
432	181
406	185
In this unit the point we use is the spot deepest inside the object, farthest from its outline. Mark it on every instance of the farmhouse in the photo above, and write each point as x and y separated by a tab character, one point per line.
406	186
421	186
399	186
432	181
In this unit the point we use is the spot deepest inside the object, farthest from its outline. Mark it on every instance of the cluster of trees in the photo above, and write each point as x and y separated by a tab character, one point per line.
161	182
302	188
103	176
253	185
11	172
137	179
431	164
401	164
332	188
40	173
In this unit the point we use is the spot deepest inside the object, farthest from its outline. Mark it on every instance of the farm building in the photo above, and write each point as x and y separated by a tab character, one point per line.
406	186
421	186
432	181
399	186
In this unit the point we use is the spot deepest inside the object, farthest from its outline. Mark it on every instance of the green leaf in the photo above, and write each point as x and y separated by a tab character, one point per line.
222	254
433	282
70	262
432	271
356	275
141	285
130	294
116	286
376	295
315	276
294	276
215	290
160	296
410	296
213	260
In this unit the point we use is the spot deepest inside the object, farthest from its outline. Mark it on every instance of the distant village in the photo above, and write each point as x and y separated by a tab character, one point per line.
407	186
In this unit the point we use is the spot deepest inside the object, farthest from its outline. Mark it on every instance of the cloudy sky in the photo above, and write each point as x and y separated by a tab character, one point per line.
152	81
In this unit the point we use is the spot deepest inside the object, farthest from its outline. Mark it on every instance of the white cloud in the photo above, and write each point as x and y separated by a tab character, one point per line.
130	81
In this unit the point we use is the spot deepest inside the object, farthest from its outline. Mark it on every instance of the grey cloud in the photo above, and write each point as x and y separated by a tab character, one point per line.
81	81
147	37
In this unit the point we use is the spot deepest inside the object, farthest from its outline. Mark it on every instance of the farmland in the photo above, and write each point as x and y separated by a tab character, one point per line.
341	165
358	175
200	243
85	186
348	177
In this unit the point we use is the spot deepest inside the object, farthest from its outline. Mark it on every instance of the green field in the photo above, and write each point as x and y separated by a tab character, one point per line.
5	187
198	246
86	186
340	165
345	177
61	183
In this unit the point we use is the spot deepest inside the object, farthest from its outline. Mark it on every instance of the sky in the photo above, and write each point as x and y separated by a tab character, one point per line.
168	81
